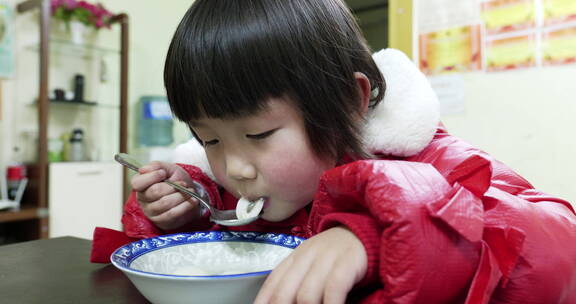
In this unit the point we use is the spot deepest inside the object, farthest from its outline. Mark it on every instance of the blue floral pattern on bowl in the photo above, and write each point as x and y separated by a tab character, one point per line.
175	254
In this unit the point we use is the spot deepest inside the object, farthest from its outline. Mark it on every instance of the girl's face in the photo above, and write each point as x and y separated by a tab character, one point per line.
266	154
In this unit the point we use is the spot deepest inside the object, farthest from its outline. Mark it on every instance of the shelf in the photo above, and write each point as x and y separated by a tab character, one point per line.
68	48
72	103
25	213
32	221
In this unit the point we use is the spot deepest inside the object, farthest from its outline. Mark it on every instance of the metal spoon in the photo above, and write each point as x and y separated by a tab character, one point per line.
222	217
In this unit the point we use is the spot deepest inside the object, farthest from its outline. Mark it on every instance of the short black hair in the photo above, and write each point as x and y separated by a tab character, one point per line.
227	57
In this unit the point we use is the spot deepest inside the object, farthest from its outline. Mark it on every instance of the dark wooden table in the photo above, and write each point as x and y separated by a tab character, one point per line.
58	270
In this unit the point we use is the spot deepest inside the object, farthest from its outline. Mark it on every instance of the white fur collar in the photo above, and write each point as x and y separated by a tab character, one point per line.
401	125
406	120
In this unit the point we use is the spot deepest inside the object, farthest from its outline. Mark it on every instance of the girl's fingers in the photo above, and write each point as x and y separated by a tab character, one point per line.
287	286
159	190
152	166
165	198
154	192
312	287
175	216
321	270
142	181
162	205
340	282
269	286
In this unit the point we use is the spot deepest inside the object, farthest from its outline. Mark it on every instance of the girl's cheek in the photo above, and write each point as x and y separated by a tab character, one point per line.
290	173
217	169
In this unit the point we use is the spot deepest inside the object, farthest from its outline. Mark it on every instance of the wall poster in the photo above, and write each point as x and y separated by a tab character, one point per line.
502	16
449	36
511	52
455	49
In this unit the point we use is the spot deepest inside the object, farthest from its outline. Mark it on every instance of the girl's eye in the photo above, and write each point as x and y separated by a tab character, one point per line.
261	135
210	142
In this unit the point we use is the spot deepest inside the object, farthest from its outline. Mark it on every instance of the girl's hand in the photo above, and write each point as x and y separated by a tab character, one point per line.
166	207
323	269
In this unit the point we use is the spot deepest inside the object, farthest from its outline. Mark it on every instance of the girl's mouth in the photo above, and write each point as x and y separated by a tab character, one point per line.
266	204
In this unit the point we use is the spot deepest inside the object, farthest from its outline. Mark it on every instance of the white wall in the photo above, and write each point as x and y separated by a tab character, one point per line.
526	119
152	24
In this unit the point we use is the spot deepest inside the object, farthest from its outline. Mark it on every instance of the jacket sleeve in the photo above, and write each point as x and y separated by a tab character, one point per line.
449	238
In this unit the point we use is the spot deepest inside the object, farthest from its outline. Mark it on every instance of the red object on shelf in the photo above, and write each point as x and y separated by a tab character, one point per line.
16	172
14	175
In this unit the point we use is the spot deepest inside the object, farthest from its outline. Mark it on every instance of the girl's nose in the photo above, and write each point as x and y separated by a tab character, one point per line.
239	168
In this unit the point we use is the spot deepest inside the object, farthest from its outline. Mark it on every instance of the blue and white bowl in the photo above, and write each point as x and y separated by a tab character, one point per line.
203	267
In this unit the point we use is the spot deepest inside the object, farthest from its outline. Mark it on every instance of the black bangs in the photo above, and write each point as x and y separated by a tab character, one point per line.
226	64
227	57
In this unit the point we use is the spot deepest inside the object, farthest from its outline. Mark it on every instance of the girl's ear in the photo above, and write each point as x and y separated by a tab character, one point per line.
364	91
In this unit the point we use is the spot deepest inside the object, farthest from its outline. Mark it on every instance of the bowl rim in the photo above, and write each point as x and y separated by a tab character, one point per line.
123	256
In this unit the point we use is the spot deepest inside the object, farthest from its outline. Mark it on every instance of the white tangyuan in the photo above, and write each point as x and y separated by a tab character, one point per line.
247	209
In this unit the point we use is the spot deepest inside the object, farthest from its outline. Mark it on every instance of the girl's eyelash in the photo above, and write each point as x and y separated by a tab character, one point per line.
261	135
210	142
251	136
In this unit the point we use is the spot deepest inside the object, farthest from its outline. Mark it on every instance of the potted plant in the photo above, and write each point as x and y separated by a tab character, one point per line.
79	17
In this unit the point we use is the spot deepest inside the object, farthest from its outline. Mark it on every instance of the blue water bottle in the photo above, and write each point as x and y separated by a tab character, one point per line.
155	122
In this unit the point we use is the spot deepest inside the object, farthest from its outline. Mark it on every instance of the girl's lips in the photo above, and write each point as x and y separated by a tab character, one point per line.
266	203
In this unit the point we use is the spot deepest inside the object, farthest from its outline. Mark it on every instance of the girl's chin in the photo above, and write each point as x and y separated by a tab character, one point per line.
271	216
279	211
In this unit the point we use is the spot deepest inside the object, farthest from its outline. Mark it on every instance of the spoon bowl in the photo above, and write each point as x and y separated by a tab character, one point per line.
222	217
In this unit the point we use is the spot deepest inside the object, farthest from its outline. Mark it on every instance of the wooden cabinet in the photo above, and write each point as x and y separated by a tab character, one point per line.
32	221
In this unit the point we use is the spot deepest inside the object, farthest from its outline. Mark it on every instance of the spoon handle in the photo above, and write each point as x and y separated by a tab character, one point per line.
188	192
129	162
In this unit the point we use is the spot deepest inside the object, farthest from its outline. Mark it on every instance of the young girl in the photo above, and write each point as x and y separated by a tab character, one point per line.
286	103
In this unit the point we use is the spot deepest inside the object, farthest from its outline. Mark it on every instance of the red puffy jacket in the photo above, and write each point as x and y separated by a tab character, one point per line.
441	223
448	225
